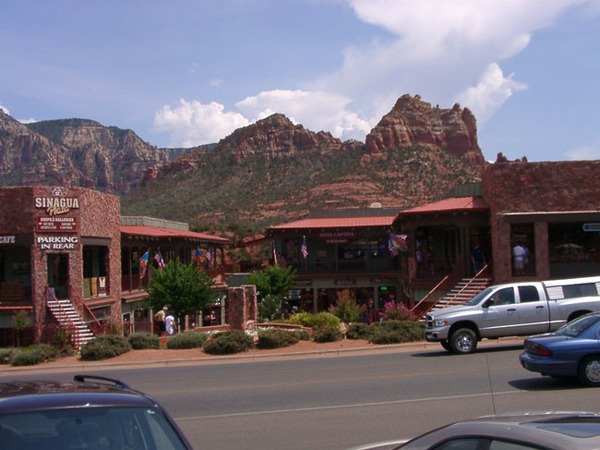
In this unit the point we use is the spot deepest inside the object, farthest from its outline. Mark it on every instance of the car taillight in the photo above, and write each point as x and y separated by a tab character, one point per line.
538	349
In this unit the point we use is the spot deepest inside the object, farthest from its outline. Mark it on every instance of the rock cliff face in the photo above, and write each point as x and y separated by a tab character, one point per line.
414	122
74	152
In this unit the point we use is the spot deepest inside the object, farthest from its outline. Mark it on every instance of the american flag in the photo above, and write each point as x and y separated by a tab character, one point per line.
208	255
304	248
159	259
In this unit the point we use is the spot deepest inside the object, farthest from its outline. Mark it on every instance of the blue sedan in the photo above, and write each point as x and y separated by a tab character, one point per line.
571	351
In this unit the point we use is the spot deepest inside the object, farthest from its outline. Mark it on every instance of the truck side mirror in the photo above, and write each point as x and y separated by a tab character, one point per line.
489	302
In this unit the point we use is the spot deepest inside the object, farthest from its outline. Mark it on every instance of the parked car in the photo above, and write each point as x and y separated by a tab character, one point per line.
90	412
571	351
512	309
522	431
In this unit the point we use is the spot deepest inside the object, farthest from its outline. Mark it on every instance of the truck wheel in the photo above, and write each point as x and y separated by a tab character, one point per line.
589	370
463	341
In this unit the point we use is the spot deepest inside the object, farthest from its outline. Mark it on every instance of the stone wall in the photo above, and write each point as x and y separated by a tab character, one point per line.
533	189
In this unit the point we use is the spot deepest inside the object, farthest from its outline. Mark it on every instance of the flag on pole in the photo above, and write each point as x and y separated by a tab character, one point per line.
304	248
397	243
159	259
274	250
208	255
144	263
198	256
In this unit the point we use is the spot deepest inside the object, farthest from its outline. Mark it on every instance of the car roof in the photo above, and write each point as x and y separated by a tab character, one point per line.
552	430
84	391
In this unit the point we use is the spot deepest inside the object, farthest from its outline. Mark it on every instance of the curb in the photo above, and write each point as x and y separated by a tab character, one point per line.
245	358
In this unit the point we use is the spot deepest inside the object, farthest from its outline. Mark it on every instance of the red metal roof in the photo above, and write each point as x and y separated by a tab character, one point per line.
164	233
475	203
337	222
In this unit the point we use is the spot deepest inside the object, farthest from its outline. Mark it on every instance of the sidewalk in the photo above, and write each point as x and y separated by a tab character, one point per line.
301	350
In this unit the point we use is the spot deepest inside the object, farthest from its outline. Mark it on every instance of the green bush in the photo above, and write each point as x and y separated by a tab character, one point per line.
318	320
228	342
104	347
276	338
270	308
27	357
346	308
358	330
189	339
6	354
327	334
35	354
141	341
396	332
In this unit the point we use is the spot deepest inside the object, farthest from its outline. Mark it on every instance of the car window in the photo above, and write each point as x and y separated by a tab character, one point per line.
504	296
479	443
578	326
528	294
110	427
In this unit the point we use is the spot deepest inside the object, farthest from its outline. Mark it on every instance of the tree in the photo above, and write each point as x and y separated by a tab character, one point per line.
274	281
184	288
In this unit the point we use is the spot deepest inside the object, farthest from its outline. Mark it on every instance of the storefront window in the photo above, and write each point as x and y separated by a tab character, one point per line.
573	250
94	271
523	251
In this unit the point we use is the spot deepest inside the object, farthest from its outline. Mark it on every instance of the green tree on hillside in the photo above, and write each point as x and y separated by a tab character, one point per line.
183	288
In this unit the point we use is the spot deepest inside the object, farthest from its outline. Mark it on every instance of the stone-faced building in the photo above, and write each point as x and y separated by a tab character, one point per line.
551	209
58	243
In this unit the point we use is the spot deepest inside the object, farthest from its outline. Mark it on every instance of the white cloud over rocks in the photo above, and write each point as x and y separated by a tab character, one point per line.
446	51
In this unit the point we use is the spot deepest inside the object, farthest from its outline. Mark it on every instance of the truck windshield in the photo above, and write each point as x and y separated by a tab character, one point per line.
479	297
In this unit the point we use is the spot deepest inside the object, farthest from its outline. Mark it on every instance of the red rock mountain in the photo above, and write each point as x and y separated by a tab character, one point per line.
268	172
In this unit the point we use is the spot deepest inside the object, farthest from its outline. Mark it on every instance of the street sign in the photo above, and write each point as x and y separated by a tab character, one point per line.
591	227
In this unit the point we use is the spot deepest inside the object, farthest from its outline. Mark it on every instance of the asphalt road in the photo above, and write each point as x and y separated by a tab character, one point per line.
340	402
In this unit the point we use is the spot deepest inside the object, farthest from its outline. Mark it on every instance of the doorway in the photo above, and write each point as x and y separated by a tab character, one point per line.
58	274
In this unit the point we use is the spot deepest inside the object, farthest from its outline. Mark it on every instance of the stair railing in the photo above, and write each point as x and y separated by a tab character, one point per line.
469	283
64	323
95	325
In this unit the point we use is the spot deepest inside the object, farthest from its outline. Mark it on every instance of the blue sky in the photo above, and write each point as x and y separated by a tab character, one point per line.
182	72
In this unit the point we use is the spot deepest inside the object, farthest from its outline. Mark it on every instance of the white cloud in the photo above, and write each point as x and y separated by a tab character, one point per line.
317	111
193	123
490	93
445	51
584	152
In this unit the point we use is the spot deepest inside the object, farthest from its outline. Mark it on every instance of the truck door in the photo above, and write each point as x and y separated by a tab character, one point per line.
533	310
500	316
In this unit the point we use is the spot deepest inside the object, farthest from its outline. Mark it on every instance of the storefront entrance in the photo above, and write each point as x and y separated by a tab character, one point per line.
58	274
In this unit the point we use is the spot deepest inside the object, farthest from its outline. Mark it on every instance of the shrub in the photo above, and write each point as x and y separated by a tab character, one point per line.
276	338
396	332
228	342
397	311
270	308
358	330
190	339
5	355
104	347
327	334
35	354
63	341
140	341
311	320
346	308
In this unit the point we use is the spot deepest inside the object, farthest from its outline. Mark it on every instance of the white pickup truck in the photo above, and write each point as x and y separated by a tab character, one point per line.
513	309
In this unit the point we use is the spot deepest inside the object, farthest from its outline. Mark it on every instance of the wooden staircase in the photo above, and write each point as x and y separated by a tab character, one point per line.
465	290
68	318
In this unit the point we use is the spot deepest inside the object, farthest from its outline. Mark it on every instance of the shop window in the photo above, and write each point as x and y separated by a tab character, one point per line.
573	251
523	250
94	271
